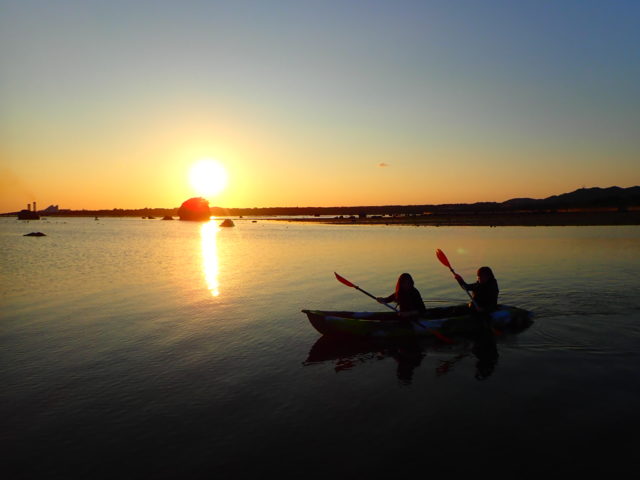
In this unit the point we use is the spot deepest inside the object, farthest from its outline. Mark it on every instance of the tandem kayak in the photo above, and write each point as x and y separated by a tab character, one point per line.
452	320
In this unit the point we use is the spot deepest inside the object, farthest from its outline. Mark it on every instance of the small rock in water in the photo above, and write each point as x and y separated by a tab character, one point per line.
34	234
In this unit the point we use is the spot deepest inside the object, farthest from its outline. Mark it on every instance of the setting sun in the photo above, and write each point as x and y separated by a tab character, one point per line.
208	177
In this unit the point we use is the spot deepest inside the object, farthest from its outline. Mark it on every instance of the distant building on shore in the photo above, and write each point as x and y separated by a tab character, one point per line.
51	209
29	214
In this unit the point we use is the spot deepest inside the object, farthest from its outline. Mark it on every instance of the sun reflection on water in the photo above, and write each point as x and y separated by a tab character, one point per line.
210	263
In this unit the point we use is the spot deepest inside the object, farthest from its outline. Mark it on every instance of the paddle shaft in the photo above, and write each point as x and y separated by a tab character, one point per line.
445	261
346	282
395	310
367	293
468	292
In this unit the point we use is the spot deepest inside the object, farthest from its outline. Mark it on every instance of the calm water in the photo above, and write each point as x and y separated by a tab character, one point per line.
136	348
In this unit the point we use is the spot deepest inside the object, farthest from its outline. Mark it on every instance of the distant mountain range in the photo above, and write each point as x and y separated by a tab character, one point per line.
583	198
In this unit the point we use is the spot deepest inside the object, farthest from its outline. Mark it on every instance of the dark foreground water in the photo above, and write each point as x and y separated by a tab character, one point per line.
136	348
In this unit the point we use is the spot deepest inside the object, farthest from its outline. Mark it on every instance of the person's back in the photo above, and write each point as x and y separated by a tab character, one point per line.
410	300
486	294
406	296
485	291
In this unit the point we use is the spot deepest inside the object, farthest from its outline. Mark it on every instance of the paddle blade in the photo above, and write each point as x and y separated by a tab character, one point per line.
443	258
344	280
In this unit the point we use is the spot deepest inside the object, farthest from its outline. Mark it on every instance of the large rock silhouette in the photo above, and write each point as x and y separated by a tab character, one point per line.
195	209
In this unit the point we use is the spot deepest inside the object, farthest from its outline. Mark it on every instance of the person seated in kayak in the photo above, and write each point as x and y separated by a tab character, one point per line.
407	297
484	292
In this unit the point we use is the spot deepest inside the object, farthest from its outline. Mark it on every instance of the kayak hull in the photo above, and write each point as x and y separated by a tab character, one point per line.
453	320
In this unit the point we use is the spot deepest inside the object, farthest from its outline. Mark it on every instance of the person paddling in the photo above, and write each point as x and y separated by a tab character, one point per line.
407	297
484	292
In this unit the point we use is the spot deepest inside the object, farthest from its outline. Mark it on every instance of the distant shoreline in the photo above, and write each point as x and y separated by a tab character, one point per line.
585	206
481	219
515	219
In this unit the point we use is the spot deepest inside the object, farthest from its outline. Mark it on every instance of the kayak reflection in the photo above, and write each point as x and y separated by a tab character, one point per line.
348	353
484	348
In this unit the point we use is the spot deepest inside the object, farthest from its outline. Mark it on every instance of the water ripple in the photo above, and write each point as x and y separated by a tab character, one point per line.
594	334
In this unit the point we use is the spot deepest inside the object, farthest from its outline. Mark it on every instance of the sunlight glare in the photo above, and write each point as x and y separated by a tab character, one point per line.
208	233
208	177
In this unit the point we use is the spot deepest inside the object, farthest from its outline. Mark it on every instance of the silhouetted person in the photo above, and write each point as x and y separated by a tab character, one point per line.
484	292
407	297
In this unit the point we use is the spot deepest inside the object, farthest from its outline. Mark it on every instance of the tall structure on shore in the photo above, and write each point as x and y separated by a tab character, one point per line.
29	214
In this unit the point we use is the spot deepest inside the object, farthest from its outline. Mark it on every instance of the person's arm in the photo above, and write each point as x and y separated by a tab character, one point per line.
462	283
390	298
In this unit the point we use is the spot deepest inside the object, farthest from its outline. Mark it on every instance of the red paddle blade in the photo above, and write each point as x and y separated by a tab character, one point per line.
344	280
443	258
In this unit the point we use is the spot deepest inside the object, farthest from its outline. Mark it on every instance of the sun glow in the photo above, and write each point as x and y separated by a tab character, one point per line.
210	264
208	177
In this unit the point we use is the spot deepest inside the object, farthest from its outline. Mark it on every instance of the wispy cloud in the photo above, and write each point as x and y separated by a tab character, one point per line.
382	165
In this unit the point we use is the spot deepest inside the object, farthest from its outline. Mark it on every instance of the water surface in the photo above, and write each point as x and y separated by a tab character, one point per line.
163	349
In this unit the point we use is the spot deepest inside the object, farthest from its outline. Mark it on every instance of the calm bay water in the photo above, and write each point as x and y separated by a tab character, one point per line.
138	348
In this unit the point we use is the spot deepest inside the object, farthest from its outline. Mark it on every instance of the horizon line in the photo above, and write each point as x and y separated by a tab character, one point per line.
332	206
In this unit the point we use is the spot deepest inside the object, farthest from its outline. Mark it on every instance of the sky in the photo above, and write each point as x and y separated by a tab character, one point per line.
108	104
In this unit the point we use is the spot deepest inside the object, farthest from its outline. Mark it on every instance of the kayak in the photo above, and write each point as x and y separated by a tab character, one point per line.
452	320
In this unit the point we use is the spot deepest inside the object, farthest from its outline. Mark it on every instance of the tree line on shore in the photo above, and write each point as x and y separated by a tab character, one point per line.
613	198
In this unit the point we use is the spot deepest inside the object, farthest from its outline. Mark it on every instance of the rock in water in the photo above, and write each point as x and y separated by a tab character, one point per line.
196	209
34	234
227	222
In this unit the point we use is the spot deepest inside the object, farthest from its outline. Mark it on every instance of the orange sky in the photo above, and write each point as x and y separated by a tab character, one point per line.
315	104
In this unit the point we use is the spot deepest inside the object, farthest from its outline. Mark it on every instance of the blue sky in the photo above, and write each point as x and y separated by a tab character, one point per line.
317	102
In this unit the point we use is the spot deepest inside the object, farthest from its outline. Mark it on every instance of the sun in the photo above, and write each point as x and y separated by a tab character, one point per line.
208	177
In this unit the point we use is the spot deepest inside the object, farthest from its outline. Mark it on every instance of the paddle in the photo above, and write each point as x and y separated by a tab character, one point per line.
445	261
349	284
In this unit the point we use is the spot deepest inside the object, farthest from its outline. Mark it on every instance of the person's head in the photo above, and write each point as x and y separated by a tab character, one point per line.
405	282
485	274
